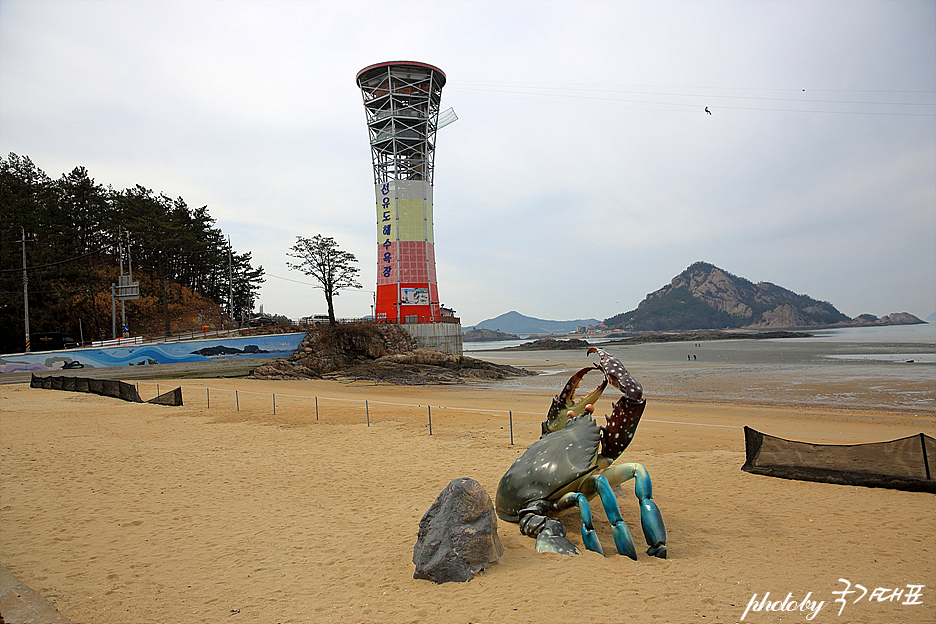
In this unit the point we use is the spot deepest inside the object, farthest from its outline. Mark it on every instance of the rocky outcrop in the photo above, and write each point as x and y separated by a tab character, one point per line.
330	348
715	288
783	315
379	352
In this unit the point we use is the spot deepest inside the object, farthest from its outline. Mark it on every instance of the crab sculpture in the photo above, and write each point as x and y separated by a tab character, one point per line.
572	463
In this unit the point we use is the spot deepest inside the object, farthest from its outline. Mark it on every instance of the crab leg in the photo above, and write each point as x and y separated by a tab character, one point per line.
651	520
549	533
589	537
622	537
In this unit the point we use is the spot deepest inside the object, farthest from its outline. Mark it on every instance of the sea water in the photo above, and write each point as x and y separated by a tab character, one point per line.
877	368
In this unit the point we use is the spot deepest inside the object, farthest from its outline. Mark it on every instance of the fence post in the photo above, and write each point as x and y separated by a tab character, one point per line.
208	394
367	411
511	427
236	401
316	408
274	403
430	419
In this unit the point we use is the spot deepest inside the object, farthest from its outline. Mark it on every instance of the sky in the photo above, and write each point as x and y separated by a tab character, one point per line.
583	172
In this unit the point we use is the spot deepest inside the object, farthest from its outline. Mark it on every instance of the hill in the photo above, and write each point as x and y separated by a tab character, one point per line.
516	323
707	297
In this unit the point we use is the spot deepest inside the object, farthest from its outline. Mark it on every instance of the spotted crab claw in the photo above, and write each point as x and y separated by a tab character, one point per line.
618	375
626	413
565	404
622	423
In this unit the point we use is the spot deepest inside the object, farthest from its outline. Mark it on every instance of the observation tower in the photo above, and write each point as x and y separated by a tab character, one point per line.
401	102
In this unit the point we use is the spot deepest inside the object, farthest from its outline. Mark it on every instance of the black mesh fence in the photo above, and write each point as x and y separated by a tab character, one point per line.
104	387
173	397
902	464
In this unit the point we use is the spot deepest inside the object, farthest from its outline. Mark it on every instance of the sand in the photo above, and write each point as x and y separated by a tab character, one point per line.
123	513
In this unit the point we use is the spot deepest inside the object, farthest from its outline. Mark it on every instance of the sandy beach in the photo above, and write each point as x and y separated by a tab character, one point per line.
221	511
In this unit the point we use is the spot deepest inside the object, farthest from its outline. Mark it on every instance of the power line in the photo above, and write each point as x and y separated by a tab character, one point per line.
566	85
286	279
43	266
523	90
708	95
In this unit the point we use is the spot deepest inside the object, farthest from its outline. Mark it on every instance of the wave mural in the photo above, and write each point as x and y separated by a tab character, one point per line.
269	346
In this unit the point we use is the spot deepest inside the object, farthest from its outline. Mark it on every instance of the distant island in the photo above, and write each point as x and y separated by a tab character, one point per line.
707	297
478	335
707	336
550	344
515	323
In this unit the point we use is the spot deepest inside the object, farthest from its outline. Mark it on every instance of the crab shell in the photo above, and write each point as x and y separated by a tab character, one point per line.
550	467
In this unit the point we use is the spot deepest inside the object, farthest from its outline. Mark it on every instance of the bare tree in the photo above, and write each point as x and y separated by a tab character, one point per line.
330	266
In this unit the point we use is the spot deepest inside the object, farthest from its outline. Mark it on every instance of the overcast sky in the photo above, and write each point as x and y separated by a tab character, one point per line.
583	172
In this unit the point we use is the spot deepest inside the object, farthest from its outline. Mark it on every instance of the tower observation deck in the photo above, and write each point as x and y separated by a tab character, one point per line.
401	102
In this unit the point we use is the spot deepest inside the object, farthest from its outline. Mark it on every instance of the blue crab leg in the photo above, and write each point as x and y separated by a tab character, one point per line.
622	537
589	537
651	520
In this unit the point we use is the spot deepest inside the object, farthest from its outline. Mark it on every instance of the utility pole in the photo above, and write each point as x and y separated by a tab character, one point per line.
25	288
114	312
123	313
230	282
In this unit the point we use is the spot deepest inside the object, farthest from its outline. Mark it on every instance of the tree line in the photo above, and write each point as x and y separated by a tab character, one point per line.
77	234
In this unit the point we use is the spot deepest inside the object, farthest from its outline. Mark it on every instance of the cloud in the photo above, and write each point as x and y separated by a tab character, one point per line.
583	172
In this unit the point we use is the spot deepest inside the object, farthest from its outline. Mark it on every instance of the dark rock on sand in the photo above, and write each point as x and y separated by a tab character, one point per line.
458	535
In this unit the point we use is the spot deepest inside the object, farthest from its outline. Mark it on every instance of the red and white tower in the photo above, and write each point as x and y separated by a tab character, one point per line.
401	101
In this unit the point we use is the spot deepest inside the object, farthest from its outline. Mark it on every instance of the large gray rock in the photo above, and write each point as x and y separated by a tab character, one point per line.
457	535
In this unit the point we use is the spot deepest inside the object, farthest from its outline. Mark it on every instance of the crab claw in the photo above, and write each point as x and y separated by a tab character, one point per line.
625	416
618	375
564	403
622	423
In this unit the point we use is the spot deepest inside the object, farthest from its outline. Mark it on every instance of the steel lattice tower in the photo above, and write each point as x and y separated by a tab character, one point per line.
401	102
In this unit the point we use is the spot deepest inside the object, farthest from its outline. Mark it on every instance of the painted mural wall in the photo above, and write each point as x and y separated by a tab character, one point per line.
234	348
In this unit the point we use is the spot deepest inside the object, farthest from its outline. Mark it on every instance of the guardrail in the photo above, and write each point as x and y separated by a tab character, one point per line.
117	342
